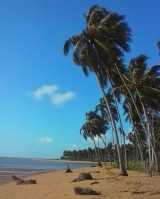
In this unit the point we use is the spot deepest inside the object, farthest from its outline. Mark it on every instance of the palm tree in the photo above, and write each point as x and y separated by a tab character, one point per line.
94	126
104	40
143	84
134	119
102	108
89	150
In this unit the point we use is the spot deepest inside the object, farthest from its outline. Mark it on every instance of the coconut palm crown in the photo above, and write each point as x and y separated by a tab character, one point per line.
105	39
143	82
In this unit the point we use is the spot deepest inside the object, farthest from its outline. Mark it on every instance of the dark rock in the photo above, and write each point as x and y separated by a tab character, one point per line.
85	191
83	176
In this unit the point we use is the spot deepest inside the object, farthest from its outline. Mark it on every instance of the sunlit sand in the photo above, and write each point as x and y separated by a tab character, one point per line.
58	185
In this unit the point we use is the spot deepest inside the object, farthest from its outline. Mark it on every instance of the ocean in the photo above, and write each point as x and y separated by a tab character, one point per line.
27	166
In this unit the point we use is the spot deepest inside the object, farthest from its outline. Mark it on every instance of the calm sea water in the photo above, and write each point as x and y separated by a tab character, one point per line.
27	163
25	166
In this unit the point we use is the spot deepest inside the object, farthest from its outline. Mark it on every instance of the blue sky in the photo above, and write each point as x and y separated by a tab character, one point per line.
44	96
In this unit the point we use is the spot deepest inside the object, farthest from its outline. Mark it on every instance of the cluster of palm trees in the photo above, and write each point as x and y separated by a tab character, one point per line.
87	154
100	48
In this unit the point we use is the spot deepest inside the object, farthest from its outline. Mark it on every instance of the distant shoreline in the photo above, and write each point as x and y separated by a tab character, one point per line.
74	161
52	159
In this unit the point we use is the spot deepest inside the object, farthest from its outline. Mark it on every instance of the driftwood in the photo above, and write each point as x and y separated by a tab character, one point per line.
83	176
68	169
20	181
85	191
94	183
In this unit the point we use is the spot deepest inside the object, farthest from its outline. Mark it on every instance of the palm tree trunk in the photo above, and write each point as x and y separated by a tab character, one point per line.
125	153
153	135
122	168
119	118
139	146
140	150
99	155
107	150
95	150
113	147
147	133
150	142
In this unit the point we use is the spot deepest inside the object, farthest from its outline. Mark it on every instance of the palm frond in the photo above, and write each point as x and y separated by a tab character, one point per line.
89	12
154	70
70	42
77	50
96	16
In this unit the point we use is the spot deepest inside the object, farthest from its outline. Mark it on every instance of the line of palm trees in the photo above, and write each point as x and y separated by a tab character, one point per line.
87	154
100	48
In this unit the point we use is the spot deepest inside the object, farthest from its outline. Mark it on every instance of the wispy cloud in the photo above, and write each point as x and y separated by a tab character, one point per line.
51	91
45	140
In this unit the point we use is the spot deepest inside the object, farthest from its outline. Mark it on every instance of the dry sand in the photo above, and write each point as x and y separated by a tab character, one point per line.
58	185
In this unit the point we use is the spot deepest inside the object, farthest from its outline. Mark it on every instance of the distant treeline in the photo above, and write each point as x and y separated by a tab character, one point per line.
111	153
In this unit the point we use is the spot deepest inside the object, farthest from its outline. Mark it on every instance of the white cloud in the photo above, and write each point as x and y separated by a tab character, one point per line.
58	98
45	140
50	91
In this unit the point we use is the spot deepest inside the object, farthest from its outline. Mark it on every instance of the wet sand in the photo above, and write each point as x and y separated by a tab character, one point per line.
6	173
58	185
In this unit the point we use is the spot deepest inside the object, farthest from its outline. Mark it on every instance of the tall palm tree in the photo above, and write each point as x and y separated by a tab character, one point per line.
105	39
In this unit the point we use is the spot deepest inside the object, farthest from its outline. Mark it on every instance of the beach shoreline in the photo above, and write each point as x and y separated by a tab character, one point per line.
57	184
7	172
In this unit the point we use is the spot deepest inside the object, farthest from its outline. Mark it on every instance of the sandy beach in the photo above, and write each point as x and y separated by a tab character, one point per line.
58	185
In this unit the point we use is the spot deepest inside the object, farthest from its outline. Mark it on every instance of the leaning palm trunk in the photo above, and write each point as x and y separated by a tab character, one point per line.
122	168
119	118
140	150
99	155
125	154
153	135
139	146
105	149
113	147
147	132
150	140
104	141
